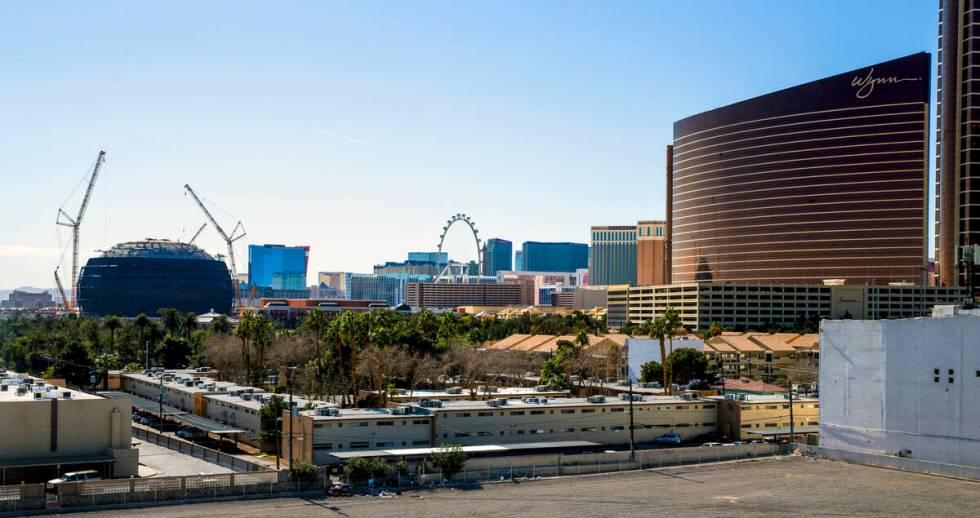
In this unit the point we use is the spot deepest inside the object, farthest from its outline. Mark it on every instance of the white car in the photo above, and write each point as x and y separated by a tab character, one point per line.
75	476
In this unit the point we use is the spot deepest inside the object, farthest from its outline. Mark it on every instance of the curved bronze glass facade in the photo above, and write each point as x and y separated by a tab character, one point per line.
826	180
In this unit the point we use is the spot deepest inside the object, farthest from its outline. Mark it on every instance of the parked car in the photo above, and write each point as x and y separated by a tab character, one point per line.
711	444
736	443
74	476
185	433
340	490
669	438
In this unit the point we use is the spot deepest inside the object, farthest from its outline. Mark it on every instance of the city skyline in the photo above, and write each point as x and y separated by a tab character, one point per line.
353	114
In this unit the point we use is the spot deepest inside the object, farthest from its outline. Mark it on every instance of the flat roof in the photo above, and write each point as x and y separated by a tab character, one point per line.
486	448
768	398
254	404
208	425
142	403
14	380
784	431
512	404
501	391
220	386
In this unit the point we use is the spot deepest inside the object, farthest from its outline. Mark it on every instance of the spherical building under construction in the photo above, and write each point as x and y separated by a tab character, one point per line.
144	276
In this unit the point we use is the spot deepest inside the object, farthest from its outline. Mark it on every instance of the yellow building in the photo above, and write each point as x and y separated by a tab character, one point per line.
747	417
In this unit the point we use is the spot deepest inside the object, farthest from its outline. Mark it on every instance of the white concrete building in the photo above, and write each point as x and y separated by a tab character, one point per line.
46	431
902	387
643	349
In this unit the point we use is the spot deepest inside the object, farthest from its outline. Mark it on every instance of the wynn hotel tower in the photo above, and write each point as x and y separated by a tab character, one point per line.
826	180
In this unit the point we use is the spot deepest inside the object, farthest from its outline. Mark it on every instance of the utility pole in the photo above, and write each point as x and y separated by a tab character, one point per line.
289	387
279	439
792	427
629	380
161	404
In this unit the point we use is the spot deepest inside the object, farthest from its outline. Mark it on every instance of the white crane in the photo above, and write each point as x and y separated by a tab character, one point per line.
229	240
67	221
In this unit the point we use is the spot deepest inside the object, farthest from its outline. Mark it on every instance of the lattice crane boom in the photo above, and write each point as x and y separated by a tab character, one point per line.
75	223
229	240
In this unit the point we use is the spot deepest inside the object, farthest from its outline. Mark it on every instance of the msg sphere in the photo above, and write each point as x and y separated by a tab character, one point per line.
463	218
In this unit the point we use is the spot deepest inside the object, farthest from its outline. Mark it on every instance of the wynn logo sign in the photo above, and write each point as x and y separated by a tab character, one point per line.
865	86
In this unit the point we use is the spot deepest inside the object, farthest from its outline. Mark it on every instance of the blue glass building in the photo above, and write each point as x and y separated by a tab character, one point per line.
429	257
613	255
554	257
496	256
518	261
277	266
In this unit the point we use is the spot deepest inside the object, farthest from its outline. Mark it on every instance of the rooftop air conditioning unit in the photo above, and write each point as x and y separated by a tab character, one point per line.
246	396
454	390
66	394
596	399
541	388
37	395
430	403
731	397
401	410
327	411
529	399
486	389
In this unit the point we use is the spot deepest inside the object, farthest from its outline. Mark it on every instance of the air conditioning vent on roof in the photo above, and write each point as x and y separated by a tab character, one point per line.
66	394
541	388
246	396
454	390
596	399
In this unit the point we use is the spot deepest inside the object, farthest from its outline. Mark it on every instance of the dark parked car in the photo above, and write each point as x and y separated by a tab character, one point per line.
340	490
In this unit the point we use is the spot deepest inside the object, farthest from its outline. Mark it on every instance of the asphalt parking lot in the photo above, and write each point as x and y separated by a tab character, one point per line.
782	486
157	461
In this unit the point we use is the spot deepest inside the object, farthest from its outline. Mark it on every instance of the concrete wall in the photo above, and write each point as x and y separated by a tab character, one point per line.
904	387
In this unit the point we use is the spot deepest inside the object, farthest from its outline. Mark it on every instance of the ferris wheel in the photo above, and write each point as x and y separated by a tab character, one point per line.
448	272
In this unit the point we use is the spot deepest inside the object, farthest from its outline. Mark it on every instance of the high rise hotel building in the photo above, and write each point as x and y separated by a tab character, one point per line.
957	135
826	180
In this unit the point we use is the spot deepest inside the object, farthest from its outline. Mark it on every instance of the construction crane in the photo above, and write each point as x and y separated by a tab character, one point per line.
229	240
198	233
61	288
67	221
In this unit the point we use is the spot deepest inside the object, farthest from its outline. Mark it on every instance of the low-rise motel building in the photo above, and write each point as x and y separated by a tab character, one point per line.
188	393
317	434
777	356
748	417
46	431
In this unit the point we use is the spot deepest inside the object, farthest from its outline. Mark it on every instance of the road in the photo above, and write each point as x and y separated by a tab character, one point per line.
786	486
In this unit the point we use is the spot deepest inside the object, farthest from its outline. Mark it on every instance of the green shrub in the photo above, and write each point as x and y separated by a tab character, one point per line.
304	471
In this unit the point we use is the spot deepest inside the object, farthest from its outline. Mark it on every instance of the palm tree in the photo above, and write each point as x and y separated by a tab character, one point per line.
672	321
315	322
244	331
221	325
112	324
188	324
170	319
657	328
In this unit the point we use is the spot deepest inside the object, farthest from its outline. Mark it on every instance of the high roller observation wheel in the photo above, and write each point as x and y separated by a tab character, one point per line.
457	218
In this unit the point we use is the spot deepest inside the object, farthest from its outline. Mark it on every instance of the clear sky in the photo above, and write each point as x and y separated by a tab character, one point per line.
359	127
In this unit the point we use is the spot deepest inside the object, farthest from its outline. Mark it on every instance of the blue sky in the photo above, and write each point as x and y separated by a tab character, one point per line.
359	127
